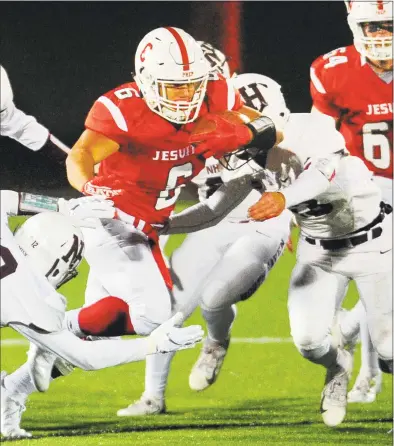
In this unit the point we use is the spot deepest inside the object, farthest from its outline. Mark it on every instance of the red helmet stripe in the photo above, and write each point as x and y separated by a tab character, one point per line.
182	47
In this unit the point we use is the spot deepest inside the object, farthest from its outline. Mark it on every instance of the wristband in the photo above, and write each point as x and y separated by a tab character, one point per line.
264	133
33	204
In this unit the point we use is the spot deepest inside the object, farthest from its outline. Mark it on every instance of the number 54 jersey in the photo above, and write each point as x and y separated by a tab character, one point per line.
155	158
344	86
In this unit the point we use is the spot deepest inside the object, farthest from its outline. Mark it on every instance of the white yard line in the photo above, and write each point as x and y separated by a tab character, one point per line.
262	340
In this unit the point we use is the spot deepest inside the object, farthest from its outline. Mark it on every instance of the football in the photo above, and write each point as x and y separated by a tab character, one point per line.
204	124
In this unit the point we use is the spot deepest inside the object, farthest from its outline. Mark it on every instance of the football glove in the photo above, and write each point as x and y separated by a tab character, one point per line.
87	211
170	338
227	137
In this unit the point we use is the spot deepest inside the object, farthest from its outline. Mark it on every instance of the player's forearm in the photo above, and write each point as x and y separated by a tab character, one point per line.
192	219
80	167
25	129
308	185
89	355
212	211
102	354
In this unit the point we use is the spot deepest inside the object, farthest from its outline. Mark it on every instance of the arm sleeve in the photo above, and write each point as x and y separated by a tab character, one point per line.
313	181
25	129
14	123
212	211
88	355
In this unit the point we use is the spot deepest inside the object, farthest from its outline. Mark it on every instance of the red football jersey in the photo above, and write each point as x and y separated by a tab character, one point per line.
343	85
155	157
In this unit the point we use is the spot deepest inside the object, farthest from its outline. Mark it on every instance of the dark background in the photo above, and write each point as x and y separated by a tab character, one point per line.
61	56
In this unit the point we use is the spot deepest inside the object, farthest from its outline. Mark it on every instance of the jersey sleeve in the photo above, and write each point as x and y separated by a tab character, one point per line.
321	88
6	93
107	118
222	95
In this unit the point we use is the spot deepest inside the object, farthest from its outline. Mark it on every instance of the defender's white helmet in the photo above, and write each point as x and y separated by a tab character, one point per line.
53	245
216	59
378	47
264	95
169	57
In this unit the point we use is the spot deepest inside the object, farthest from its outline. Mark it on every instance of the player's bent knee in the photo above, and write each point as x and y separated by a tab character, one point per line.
107	317
312	349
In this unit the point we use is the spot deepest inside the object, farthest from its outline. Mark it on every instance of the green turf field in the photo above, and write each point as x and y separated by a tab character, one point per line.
266	394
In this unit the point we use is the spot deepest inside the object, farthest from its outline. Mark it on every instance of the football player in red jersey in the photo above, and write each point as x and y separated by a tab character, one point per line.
354	85
141	134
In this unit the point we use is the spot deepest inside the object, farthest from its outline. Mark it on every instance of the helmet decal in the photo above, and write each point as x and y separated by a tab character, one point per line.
182	48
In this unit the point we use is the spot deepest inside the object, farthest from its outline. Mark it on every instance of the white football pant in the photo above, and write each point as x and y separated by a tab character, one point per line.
215	268
122	265
318	284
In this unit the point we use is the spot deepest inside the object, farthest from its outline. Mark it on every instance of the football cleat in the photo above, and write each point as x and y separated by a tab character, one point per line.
365	389
206	370
334	395
12	407
143	406
40	362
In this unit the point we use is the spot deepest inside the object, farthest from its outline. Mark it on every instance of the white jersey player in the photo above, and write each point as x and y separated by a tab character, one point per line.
350	84
43	254
25	129
224	264
345	235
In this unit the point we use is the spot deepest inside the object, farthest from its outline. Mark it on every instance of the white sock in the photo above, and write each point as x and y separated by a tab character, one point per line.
369	358
157	368
20	382
341	359
219	323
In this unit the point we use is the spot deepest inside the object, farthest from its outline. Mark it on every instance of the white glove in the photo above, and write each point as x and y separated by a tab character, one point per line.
169	338
87	210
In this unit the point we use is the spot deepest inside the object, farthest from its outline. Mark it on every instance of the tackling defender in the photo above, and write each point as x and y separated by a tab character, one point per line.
354	85
43	255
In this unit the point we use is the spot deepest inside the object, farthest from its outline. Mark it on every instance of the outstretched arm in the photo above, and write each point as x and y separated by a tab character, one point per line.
212	211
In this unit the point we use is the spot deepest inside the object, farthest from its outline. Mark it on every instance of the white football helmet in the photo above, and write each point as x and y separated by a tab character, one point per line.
359	12
264	95
53	245
167	58
216	59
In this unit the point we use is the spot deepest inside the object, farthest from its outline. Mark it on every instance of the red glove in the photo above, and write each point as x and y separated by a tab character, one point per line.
227	137
270	205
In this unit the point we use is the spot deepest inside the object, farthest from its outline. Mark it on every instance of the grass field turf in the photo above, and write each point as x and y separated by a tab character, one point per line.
266	394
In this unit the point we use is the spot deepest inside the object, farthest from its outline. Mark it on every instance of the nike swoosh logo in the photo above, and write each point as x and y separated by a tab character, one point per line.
384	252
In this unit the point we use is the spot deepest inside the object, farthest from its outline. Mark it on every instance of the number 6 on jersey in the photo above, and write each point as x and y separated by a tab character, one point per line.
170	194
